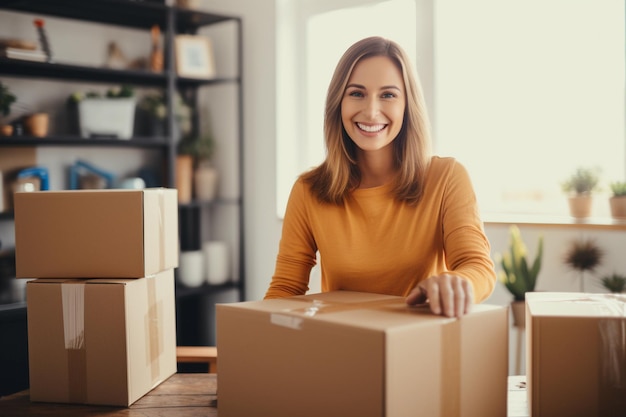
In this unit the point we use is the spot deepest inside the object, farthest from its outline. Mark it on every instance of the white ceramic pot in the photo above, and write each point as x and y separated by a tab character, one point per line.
217	262
191	268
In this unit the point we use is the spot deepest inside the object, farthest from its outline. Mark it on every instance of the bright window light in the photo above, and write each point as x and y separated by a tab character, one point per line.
526	92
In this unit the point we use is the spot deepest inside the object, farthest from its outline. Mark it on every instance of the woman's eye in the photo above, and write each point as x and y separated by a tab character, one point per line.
388	95
355	93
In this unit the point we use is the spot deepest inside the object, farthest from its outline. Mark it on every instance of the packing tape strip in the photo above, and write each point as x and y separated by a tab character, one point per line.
154	322
451	369
73	302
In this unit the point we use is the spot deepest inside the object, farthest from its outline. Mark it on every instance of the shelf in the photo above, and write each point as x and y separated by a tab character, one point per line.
136	14
71	140
69	72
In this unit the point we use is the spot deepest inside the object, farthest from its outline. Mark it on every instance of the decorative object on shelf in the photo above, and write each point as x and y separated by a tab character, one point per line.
184	178
7	98
37	124
583	255
217	262
109	116
194	57
191	268
205	176
517	275
86	176
580	186
615	283
43	38
617	201
154	110
156	54
32	179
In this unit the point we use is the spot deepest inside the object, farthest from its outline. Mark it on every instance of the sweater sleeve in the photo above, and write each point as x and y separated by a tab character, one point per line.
297	249
467	249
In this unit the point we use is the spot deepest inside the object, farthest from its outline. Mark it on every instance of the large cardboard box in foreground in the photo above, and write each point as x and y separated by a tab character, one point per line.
355	354
104	342
576	354
95	233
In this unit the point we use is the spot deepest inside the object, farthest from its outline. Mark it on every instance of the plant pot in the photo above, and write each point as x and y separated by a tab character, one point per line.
518	308
618	207
580	206
205	183
108	117
37	124
184	178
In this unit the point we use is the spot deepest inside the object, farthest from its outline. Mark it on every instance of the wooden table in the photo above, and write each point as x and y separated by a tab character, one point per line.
180	396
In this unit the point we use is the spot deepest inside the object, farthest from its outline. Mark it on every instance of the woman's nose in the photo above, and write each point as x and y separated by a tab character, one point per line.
372	107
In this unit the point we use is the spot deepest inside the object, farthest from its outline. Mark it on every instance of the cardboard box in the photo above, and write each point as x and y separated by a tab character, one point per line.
96	233
105	342
355	354
576	354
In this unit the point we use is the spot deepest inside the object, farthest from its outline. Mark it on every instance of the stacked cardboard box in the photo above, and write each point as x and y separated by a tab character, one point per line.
101	311
356	354
576	354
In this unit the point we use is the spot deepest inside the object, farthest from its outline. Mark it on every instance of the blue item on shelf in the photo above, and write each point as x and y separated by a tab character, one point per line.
81	165
39	172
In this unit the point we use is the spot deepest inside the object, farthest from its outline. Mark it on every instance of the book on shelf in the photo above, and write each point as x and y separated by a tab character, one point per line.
26	54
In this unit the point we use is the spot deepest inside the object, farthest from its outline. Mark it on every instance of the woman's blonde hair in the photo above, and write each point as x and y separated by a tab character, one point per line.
338	174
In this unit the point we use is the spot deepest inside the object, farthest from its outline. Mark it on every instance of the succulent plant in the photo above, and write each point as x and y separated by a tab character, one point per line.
517	274
583	181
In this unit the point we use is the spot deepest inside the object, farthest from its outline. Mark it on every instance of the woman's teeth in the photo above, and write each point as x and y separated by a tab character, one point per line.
371	128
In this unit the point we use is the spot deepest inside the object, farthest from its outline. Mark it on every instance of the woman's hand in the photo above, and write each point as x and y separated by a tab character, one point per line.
449	295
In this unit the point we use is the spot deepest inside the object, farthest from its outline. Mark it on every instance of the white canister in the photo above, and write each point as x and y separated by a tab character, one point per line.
217	261
191	268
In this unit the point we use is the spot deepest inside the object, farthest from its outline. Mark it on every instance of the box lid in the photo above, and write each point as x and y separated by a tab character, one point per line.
564	304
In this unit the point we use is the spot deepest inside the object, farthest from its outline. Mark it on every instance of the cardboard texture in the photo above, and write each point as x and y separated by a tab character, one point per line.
576	354
95	233
104	342
355	354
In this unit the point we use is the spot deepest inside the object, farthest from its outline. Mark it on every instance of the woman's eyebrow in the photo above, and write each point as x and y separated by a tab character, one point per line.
384	87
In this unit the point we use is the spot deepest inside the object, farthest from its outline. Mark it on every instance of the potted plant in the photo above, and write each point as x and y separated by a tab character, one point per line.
153	106
615	283
580	186
617	201
200	149
518	275
7	98
111	115
583	255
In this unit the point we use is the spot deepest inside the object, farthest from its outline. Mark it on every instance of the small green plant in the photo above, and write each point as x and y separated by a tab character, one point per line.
123	91
583	181
618	188
615	283
201	147
7	98
517	275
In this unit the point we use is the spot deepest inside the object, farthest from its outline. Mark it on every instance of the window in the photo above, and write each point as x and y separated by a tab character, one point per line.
521	92
526	93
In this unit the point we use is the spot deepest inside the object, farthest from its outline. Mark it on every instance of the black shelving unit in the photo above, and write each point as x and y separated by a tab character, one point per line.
140	15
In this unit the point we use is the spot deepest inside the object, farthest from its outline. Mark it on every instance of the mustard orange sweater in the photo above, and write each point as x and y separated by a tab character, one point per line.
373	243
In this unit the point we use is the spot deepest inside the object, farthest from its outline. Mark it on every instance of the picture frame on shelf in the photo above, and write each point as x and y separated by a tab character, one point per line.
194	57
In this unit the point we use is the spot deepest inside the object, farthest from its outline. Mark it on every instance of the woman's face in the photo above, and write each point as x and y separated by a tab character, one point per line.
372	108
